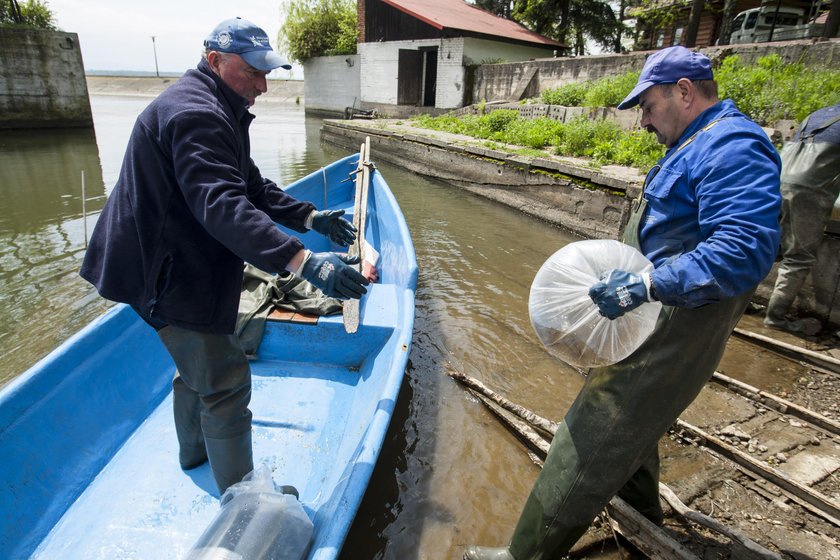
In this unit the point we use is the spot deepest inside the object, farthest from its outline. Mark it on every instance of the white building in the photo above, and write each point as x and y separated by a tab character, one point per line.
417	53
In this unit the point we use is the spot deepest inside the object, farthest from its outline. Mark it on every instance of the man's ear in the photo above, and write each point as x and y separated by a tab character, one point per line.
686	91
213	60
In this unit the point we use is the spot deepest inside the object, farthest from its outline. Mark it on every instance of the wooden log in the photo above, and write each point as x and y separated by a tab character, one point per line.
750	548
790	351
530	435
784	406
536	420
646	536
767	472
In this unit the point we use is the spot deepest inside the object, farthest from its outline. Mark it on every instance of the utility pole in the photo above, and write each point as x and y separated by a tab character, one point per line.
155	51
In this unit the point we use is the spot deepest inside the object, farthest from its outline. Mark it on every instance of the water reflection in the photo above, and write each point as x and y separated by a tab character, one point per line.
41	238
449	474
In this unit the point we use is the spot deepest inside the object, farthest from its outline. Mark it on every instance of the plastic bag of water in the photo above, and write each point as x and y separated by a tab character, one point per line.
256	522
566	319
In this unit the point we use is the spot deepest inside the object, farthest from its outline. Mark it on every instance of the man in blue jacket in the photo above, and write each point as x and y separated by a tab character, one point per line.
188	209
708	221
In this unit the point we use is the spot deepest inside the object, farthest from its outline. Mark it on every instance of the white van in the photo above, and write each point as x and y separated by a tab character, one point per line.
754	26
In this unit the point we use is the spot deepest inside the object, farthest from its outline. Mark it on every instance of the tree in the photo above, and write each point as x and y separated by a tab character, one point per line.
546	17
33	14
596	21
693	23
726	21
502	8
582	19
318	28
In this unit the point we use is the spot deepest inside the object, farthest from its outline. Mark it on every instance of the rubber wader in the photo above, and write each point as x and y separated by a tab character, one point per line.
607	443
810	184
211	393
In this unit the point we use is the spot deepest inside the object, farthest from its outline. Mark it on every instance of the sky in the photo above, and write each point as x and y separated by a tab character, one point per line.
117	34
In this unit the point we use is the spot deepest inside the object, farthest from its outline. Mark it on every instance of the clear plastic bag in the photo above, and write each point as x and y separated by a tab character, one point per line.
566	319
256	522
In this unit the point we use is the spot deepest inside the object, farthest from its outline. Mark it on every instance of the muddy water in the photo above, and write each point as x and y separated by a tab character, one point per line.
449	475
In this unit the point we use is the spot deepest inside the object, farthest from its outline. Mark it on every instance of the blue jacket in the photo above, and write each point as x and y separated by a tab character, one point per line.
712	224
189	206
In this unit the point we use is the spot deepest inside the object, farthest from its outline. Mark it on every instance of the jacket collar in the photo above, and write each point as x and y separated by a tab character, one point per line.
238	103
725	108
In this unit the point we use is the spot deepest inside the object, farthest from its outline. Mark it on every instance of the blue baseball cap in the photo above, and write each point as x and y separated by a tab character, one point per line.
668	66
240	36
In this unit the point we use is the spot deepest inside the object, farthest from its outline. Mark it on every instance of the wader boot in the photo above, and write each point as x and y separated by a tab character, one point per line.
230	459
214	378
187	408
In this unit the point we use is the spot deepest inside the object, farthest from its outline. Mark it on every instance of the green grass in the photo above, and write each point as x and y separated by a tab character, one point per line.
601	140
767	91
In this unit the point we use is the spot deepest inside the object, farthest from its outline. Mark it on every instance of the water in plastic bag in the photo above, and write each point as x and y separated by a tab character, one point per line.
256	523
566	319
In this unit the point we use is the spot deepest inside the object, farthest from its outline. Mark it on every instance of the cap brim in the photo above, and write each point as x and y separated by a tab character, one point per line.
633	98
265	60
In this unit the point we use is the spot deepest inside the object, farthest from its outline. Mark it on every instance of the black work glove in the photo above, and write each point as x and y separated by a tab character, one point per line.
332	274
331	224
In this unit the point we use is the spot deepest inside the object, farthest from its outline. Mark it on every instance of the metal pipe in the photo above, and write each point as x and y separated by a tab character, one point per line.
84	208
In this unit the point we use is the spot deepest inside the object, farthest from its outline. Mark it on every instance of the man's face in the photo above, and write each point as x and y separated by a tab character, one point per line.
240	76
661	113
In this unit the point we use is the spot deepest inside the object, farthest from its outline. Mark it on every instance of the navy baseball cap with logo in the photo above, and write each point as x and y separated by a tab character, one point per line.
240	36
668	66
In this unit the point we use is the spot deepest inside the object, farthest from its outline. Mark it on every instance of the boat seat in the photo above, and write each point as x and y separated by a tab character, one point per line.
286	316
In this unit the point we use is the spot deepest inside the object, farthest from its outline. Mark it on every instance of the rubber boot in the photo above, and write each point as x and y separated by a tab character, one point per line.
230	459
487	553
777	308
642	490
187	409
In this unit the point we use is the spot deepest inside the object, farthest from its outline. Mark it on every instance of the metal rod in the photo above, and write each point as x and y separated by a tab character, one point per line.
84	208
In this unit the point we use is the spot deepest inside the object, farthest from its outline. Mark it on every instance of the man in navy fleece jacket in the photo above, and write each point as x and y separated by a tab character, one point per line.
188	209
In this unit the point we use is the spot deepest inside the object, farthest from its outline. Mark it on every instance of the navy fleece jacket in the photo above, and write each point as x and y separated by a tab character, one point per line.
188	208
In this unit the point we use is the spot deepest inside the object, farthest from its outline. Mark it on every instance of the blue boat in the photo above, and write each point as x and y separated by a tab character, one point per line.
89	465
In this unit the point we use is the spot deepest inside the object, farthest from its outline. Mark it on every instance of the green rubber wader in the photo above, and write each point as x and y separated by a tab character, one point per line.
211	393
607	443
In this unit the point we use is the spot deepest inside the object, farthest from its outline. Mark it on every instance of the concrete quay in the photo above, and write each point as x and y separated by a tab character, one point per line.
593	202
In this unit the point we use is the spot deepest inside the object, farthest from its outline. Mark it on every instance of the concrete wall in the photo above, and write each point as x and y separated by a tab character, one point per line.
42	80
582	200
499	81
478	50
332	83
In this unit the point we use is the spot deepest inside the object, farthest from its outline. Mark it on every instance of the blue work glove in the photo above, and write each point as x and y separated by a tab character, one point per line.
332	274
619	292
331	224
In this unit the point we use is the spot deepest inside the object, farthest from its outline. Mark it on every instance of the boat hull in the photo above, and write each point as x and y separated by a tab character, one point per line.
90	457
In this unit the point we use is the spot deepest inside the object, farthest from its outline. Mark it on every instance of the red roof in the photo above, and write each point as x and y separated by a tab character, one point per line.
457	14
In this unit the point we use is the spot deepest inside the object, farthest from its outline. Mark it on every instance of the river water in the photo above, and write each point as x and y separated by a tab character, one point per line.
449	474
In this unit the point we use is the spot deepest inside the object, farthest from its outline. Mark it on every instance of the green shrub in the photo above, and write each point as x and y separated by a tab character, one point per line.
35	14
498	121
767	91
318	28
773	89
609	91
602	140
569	95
